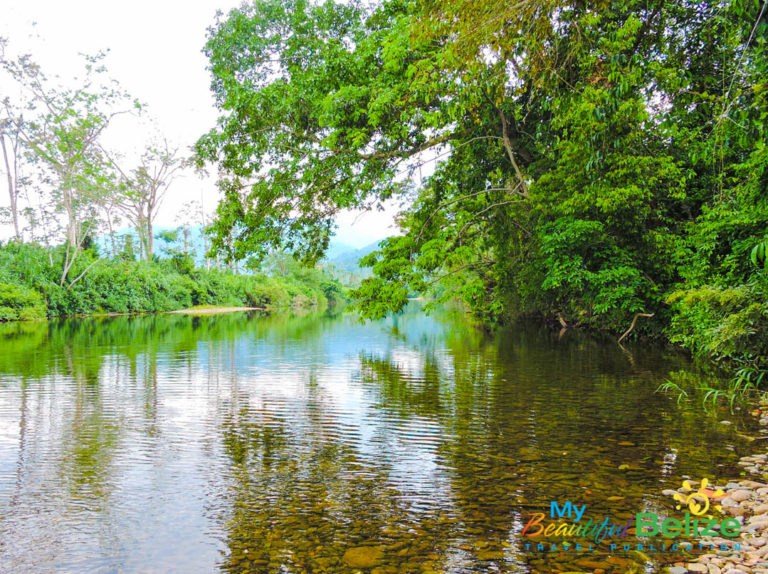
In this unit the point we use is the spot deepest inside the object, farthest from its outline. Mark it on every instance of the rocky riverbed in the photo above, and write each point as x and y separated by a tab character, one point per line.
745	500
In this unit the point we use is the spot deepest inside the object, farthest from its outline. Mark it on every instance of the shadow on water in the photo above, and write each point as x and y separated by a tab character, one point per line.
253	443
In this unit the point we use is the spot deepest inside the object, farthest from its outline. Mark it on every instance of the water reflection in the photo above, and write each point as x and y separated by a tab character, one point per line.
316	444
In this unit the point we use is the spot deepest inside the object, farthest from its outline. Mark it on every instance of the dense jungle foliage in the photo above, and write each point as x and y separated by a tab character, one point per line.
587	161
30	287
71	194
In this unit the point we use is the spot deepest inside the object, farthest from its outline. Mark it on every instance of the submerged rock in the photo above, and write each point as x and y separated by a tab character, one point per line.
740	495
363	556
746	501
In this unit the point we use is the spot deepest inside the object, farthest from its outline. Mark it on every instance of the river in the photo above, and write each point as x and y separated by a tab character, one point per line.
254	443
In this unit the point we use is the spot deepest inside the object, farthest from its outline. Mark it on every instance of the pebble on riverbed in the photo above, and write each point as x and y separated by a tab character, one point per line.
747	502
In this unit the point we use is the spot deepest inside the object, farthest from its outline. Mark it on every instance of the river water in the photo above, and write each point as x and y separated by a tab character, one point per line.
253	443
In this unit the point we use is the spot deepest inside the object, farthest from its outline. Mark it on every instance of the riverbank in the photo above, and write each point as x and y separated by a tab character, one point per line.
213	310
31	286
744	500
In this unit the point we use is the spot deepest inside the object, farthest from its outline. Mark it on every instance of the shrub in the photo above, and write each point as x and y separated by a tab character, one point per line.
17	302
30	276
8	314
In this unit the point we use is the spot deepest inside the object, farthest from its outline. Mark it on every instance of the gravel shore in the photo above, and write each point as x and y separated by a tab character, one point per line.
746	501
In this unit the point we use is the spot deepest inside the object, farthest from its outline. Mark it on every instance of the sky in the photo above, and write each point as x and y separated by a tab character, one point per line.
154	52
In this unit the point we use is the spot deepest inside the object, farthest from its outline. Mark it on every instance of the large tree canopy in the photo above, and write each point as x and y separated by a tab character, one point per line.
591	158
322	107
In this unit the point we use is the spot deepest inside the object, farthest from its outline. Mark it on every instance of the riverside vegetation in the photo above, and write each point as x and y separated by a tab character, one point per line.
29	288
70	194
586	163
595	165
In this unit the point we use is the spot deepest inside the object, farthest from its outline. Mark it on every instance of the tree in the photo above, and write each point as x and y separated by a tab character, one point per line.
63	136
10	143
109	204
188	216
144	188
321	119
11	120
577	150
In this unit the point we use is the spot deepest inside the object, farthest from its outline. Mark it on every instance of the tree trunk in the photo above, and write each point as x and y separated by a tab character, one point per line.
141	230
12	191
73	244
111	234
511	153
71	219
150	240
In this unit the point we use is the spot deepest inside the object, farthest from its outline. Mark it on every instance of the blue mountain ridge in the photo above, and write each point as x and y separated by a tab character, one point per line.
341	255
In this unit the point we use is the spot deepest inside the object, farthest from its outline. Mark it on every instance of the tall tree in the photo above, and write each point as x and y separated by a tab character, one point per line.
143	190
11	120
63	136
10	144
577	145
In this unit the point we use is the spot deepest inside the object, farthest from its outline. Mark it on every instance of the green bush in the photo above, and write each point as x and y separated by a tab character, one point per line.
17	302
724	322
8	314
30	278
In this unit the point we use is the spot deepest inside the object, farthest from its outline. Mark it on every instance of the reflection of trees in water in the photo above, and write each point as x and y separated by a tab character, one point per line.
299	494
91	434
525	422
35	349
69	434
402	391
88	421
456	434
82	387
521	422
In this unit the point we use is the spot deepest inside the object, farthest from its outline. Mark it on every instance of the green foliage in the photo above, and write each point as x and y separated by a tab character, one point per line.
722	321
759	255
120	286
20	303
338	100
593	164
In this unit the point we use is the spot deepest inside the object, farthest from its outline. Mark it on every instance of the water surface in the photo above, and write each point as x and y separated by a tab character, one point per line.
249	443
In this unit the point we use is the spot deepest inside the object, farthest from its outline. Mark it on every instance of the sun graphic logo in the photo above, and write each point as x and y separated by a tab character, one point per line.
697	501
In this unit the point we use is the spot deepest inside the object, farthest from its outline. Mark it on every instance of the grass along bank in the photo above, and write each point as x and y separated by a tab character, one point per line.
31	286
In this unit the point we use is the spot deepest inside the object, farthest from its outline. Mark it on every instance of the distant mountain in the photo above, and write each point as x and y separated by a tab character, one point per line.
336	249
349	260
343	256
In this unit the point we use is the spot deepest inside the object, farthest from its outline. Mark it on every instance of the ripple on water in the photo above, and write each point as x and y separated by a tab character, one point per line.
247	442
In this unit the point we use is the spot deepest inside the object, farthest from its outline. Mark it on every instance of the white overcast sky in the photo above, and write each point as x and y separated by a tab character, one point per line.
155	54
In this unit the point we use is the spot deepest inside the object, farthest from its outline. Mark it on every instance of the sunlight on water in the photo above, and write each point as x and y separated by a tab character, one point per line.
276	444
